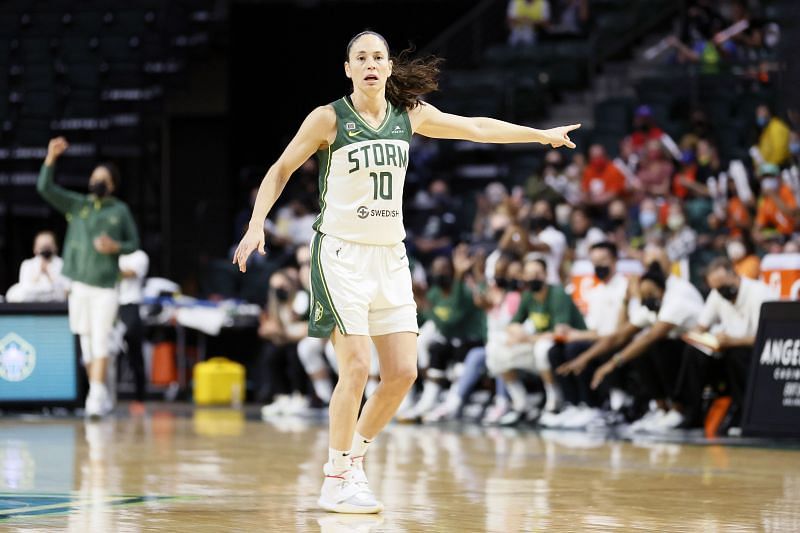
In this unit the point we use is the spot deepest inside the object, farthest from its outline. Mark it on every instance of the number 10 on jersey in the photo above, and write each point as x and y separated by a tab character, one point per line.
382	185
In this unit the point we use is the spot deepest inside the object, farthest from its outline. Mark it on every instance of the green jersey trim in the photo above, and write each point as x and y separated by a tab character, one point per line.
386	118
323	184
337	318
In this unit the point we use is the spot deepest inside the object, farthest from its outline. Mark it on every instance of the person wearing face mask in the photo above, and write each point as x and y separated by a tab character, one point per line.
545	239
682	239
460	324
99	228
669	308
648	217
602	180
777	206
773	139
742	254
543	308
655	171
605	313
584	235
40	278
731	312
644	128
282	382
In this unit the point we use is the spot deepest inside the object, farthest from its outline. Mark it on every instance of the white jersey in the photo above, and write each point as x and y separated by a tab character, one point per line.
362	176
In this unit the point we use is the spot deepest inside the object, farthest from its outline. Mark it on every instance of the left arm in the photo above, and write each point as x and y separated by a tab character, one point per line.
430	122
658	331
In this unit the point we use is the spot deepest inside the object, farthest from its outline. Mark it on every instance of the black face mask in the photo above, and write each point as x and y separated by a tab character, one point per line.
602	272
539	223
616	222
655	268
502	283
98	188
536	285
282	295
651	303
47	253
729	292
442	281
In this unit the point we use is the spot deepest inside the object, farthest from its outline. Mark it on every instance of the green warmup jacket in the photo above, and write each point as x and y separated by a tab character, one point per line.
88	217
557	308
455	314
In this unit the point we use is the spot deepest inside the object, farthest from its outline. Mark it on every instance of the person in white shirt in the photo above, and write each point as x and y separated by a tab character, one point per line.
547	240
606	311
40	278
660	310
731	314
133	267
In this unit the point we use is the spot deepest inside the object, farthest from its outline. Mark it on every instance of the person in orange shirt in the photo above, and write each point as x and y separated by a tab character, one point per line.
777	207
742	254
602	180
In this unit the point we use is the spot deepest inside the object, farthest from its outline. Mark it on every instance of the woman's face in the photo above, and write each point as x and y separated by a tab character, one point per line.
101	174
368	64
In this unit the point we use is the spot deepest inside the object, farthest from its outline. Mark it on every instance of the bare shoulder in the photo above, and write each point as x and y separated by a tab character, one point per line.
322	123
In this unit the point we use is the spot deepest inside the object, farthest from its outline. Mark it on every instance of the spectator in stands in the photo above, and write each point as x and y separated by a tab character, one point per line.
40	278
649	223
572	16
437	230
602	180
545	239
704	49
491	217
133	269
460	325
794	147
670	308
735	218
645	129
282	383
583	235
499	299
605	313
555	176
777	206
741	252
655	171
525	19
100	227
681	239
731	313
543	308
773	138
294	222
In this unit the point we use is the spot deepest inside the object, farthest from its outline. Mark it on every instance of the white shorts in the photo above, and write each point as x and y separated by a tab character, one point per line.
501	357
362	289
92	313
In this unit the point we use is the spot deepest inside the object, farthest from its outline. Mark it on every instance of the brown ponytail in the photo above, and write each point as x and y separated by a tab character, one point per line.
411	78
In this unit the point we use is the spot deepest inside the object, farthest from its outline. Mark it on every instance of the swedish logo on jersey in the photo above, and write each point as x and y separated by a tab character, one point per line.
17	358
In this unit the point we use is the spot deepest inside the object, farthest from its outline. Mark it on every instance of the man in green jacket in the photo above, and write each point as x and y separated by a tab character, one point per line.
99	229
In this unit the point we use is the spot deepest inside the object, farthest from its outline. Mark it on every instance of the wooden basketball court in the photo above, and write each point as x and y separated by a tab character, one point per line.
218	470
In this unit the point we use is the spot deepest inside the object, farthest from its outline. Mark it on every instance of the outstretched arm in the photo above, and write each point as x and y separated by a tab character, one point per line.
318	129
427	120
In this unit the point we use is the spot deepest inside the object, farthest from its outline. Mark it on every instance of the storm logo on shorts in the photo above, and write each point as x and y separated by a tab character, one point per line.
318	312
17	358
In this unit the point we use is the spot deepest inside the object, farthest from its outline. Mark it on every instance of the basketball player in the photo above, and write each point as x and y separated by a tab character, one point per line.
360	280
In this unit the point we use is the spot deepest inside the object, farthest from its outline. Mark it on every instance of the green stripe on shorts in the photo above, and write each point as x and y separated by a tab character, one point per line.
322	315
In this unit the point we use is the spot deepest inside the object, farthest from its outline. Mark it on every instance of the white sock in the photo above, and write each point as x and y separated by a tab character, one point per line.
98	387
519	396
323	388
359	449
339	460
552	396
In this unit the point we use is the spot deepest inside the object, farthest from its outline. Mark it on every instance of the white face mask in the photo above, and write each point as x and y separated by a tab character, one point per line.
675	221
735	250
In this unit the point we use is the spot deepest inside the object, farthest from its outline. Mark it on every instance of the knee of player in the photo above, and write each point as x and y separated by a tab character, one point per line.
355	371
402	377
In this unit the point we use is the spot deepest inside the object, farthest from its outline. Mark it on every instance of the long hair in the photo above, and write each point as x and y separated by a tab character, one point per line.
412	77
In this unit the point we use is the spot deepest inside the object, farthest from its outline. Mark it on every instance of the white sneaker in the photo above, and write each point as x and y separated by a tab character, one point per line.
96	403
580	418
495	413
556	420
348	492
666	423
643	424
278	406
297	405
511	418
445	411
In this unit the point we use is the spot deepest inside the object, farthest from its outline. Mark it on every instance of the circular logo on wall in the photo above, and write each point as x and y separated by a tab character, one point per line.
363	212
17	358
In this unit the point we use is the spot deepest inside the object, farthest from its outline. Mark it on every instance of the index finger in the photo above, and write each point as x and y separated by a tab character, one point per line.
572	127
